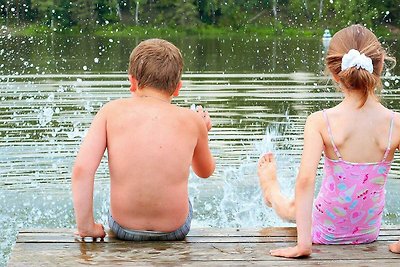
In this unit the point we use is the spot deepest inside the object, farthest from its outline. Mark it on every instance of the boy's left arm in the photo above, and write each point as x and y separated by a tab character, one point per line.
203	162
83	173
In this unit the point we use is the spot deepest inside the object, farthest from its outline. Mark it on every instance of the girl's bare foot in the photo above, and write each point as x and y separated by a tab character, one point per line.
395	247
267	175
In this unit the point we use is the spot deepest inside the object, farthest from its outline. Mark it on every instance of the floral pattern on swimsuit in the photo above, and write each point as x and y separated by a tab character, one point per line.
349	206
350	203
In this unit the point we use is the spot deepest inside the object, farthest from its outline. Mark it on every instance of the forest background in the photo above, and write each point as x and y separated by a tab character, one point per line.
203	17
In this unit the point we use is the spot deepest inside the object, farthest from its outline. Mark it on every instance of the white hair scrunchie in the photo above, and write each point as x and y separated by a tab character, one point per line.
355	59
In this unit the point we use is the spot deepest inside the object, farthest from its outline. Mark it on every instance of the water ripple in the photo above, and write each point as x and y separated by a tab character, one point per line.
43	119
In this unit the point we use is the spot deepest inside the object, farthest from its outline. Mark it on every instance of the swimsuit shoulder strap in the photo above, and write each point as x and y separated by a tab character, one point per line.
390	137
331	136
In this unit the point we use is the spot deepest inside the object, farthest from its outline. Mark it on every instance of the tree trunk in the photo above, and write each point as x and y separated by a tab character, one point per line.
137	13
274	9
124	11
306	9
321	6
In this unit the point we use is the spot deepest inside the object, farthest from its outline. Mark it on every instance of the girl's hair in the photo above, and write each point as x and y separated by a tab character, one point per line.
360	38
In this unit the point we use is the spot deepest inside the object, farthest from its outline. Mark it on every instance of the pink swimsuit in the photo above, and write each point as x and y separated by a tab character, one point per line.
349	205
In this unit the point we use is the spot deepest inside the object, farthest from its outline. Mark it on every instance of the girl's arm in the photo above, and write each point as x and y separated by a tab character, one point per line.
304	195
395	247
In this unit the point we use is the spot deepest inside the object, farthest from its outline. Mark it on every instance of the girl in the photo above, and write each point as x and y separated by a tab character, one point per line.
358	137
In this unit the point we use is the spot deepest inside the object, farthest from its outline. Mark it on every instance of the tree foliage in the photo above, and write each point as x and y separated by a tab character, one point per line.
235	14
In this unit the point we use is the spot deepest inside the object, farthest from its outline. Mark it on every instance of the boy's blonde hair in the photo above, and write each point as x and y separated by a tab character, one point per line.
156	63
360	38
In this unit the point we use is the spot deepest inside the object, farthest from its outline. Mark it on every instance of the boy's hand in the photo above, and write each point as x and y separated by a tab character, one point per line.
96	232
205	116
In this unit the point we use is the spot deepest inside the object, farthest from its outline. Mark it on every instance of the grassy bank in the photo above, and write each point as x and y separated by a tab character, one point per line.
118	30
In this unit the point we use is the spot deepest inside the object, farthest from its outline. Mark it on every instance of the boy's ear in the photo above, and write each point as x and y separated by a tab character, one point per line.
178	88
133	82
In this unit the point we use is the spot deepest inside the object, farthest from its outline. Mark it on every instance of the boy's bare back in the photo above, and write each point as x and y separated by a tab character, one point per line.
151	145
150	148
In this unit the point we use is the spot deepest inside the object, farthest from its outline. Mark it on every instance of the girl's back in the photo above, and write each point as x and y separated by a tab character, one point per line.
358	151
360	135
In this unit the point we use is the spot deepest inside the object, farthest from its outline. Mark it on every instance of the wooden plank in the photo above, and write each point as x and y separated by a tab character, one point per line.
209	246
69	238
54	238
168	251
268	231
266	235
335	263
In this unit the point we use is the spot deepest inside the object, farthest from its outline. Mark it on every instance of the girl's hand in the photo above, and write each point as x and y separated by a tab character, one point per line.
96	232
395	247
291	252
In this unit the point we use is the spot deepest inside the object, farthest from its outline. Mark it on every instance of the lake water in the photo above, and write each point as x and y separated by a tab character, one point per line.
258	91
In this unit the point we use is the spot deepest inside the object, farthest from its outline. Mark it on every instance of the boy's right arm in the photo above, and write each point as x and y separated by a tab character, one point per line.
83	173
203	163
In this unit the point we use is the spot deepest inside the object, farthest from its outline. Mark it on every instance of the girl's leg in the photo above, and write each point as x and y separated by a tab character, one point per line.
273	196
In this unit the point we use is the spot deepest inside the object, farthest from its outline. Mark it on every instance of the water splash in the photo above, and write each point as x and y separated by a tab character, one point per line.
45	116
237	200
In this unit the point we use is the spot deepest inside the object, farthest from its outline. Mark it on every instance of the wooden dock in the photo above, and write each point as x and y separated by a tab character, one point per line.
202	247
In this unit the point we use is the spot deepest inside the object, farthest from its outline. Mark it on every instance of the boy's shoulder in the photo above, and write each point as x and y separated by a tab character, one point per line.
111	107
183	113
188	114
115	104
191	118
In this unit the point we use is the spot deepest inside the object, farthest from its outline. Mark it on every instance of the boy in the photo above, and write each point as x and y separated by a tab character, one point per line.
151	145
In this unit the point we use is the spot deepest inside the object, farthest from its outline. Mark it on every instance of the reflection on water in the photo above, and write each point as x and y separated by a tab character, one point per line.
54	54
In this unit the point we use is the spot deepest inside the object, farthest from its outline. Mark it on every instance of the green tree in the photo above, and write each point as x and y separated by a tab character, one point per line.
43	10
170	13
352	11
83	13
124	12
233	13
389	11
107	11
209	11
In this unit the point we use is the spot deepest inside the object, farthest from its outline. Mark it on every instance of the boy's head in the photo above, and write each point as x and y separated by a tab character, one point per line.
156	63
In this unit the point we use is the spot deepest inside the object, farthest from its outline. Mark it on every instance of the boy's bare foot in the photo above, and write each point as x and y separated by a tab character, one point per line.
395	247
267	175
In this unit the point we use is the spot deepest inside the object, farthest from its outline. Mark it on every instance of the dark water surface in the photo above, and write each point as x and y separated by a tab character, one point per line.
258	92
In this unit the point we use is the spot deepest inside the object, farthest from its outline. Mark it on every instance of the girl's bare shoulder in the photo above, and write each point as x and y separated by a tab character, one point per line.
316	119
396	123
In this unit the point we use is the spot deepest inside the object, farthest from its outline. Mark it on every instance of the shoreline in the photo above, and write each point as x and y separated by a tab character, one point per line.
119	30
